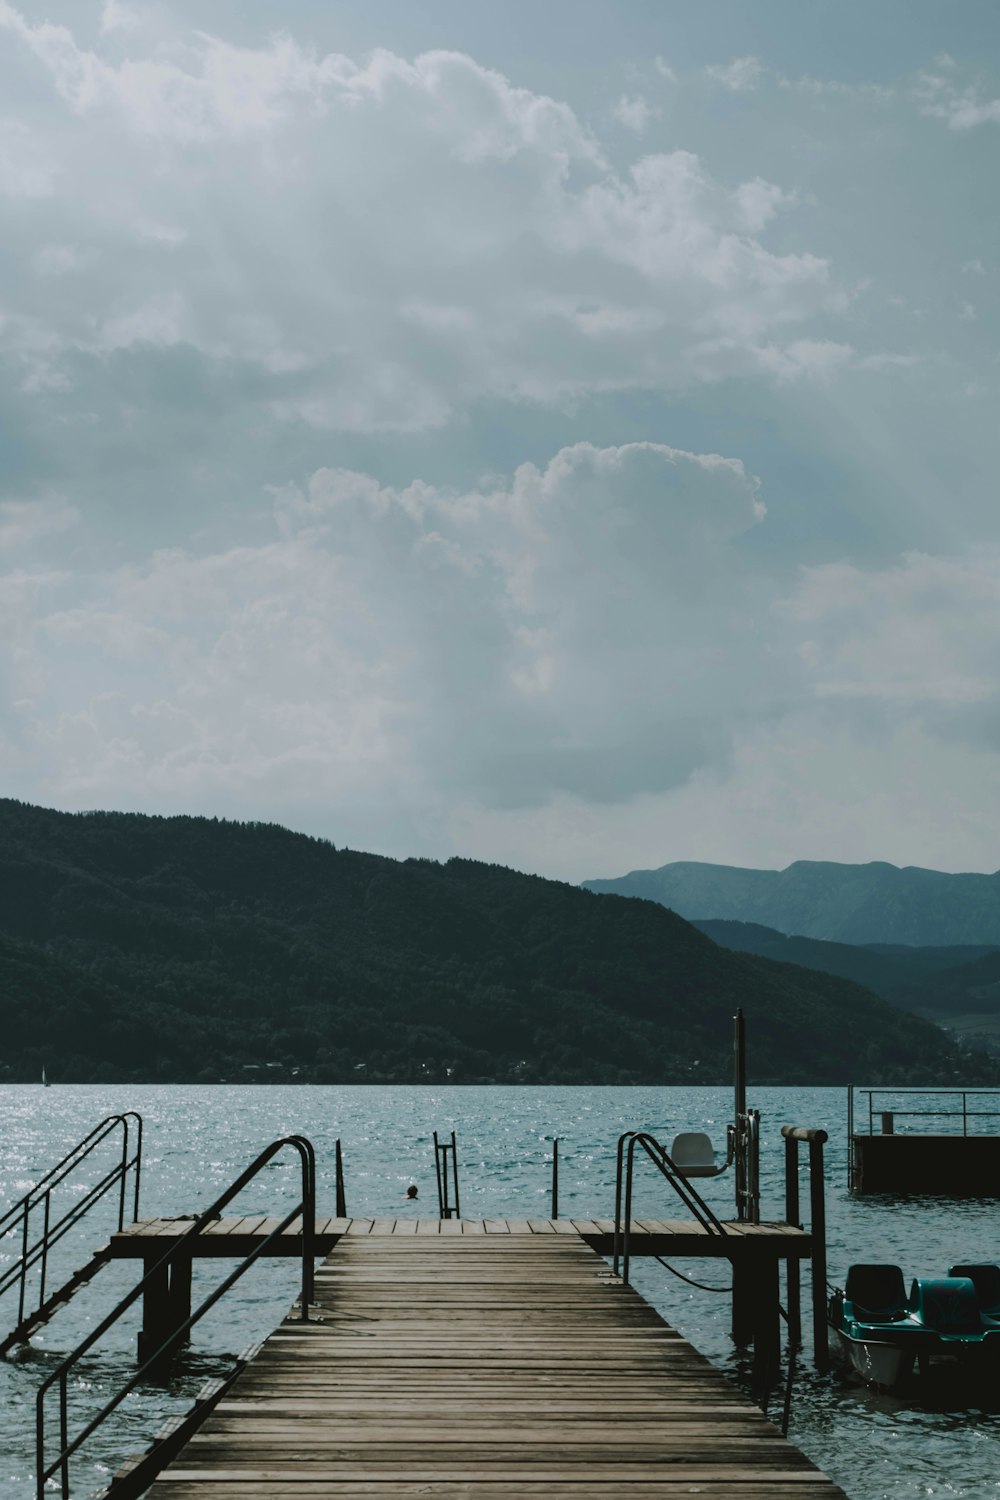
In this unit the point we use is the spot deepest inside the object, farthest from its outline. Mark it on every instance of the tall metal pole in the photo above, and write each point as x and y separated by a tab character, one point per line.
740	1051
740	1111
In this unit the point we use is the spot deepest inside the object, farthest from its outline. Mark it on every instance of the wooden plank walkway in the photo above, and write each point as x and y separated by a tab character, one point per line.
478	1364
238	1236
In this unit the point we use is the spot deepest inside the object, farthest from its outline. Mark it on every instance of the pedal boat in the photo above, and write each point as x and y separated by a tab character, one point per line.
882	1331
877	1330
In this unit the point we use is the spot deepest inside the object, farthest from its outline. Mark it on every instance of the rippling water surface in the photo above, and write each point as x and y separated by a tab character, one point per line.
197	1139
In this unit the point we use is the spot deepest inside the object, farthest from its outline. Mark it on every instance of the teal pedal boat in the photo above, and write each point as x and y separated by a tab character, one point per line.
882	1331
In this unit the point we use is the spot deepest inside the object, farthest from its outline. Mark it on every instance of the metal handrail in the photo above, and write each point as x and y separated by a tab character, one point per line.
18	1216
442	1149
180	1248
887	1092
660	1157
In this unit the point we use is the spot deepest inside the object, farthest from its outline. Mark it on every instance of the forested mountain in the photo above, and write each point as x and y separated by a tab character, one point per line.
956	988
891	970
874	903
965	998
174	949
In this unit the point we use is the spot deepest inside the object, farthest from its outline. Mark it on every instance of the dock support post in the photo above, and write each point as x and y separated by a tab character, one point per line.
756	1299
180	1292
793	1273
744	1297
166	1305
817	1226
766	1331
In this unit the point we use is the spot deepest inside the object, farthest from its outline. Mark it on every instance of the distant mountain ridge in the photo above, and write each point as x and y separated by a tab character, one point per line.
863	904
189	949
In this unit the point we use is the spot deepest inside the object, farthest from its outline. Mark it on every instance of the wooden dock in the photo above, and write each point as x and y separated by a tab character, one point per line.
464	1358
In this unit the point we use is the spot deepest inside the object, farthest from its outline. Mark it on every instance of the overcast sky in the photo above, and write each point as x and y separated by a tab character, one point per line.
551	431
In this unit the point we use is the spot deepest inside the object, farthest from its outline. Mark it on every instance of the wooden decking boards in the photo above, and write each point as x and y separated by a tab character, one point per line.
451	1361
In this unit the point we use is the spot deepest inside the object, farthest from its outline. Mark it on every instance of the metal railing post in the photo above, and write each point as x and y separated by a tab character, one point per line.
454	1173
341	1207
24	1265
45	1248
124	1176
555	1177
627	1227
305	1146
442	1187
137	1161
619	1178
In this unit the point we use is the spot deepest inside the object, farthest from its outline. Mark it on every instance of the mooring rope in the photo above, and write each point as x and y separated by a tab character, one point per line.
699	1284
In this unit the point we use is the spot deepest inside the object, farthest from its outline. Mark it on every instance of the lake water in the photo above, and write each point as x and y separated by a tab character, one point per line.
197	1139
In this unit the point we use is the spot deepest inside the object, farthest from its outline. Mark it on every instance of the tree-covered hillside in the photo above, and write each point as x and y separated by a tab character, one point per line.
893	971
187	948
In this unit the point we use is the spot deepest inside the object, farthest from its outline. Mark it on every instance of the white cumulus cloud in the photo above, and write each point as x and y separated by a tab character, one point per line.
583	625
635	112
742	75
369	244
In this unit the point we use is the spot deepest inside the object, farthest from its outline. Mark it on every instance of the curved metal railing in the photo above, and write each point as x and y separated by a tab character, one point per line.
660	1157
58	1468
20	1218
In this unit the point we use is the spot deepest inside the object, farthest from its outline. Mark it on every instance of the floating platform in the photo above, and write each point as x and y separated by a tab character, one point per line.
938	1141
958	1166
493	1358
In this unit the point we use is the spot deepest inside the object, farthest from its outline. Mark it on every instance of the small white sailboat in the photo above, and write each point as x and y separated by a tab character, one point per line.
45	1081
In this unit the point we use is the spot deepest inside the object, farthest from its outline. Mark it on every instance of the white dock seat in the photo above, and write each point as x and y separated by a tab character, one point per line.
693	1154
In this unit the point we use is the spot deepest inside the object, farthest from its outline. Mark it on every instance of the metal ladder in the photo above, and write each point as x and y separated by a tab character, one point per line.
21	1222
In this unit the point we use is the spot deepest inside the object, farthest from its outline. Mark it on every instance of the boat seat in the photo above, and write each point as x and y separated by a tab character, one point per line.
947	1304
986	1280
693	1154
878	1292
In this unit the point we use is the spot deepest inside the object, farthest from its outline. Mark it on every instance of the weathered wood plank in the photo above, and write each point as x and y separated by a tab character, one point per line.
614	1473
652	1489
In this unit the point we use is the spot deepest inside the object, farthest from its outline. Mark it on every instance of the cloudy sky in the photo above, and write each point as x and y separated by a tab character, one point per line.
552	431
